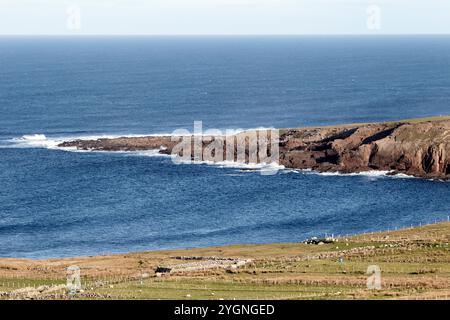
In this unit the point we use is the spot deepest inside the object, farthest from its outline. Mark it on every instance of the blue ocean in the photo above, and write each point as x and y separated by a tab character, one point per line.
56	203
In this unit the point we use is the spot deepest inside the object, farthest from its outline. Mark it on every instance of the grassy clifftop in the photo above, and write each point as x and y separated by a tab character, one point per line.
414	263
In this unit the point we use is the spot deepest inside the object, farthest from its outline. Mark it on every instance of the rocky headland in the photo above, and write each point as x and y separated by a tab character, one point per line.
419	147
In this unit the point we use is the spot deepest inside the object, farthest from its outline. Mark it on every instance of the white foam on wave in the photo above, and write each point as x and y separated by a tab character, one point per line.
245	167
34	137
44	142
370	174
402	176
40	140
33	141
146	153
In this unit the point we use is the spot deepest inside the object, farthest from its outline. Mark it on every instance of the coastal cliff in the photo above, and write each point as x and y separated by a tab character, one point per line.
415	147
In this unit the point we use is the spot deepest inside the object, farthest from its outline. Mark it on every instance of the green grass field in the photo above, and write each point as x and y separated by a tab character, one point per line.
414	263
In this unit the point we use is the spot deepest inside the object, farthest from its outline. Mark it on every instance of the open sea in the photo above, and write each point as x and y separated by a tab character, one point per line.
57	203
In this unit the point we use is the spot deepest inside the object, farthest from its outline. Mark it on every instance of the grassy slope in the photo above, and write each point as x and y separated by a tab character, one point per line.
415	263
351	125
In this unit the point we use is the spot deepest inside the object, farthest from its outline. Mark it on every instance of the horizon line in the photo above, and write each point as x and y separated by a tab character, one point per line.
217	34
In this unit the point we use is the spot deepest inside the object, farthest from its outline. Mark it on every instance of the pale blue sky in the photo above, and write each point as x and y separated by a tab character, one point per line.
224	17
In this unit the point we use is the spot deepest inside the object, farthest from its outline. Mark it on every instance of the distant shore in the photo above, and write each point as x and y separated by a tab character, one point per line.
416	147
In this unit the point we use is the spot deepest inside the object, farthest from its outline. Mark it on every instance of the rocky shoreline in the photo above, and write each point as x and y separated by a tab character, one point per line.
419	148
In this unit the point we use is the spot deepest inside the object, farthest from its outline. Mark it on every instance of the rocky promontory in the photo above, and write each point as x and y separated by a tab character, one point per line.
418	147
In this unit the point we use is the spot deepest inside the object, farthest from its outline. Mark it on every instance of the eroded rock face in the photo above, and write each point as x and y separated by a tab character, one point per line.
420	149
163	143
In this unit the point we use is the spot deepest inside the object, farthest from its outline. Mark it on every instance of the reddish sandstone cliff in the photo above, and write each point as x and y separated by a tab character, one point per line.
420	148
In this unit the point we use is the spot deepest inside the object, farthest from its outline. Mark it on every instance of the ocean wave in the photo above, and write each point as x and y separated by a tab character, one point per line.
40	140
34	137
370	174
33	141
244	167
146	153
43	142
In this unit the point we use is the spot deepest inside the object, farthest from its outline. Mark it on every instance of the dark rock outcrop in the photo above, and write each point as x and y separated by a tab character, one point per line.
419	148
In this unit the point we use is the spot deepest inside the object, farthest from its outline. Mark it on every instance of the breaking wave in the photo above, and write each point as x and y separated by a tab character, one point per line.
33	141
370	174
268	168
42	141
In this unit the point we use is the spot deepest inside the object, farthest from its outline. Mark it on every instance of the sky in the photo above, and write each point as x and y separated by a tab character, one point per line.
219	17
